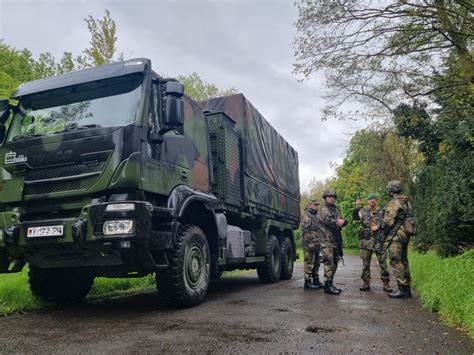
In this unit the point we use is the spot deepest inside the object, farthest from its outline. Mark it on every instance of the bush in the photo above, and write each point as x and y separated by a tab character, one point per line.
446	286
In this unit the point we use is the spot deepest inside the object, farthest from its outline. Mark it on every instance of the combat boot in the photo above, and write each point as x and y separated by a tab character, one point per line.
402	292
330	289
317	284
386	286
308	285
365	286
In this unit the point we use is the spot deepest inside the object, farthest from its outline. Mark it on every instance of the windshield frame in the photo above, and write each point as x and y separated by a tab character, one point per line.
137	112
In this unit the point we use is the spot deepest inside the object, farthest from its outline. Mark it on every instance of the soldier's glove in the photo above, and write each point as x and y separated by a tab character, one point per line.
312	246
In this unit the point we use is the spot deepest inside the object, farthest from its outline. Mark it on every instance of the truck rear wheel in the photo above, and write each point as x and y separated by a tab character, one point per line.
287	255
186	280
269	271
62	285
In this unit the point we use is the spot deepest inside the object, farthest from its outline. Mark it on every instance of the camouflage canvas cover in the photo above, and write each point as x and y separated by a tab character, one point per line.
270	163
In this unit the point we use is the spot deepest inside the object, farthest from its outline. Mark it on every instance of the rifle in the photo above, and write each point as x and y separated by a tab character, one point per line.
394	231
338	241
380	237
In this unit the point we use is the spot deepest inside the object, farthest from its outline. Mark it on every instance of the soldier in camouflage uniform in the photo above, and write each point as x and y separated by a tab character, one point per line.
398	210
330	239
371	241
310	228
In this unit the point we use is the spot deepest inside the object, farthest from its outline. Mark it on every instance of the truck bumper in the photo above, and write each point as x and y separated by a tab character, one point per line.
84	240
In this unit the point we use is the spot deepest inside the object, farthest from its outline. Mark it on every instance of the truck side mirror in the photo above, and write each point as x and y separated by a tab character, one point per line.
174	88
174	106
174	112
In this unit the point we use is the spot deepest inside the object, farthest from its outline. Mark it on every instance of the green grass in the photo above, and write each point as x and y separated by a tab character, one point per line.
15	294
446	286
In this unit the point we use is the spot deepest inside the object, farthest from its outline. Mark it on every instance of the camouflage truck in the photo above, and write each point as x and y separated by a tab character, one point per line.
112	171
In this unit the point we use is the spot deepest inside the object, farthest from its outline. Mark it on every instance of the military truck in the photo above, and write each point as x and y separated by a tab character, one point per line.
112	171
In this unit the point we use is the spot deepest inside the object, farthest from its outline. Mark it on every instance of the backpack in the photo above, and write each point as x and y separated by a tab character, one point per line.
409	223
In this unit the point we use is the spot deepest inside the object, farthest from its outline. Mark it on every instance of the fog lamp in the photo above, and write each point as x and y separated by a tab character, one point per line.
120	207
125	226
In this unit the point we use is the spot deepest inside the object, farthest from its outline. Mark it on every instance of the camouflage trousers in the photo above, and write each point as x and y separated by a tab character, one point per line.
330	260
366	256
399	262
311	263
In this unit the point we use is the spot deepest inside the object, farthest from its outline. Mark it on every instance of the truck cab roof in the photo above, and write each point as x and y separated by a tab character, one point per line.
83	76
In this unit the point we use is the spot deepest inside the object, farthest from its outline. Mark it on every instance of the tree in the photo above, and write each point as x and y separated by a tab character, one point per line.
15	68
198	89
380	53
103	41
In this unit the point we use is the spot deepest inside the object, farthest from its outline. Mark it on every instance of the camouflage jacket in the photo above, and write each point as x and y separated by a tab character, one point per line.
397	210
328	216
369	218
310	228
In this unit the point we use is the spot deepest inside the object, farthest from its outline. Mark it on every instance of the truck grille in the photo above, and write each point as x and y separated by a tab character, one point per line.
44	181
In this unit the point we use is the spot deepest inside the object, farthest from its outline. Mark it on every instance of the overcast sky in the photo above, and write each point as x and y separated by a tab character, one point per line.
240	43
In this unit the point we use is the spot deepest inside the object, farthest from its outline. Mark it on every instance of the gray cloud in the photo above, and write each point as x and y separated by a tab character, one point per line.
245	44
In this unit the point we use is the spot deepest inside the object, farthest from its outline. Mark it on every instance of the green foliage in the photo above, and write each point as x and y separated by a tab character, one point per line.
446	286
374	157
103	40
383	52
15	68
198	89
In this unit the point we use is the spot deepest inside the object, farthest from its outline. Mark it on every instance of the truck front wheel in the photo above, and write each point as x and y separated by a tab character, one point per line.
62	285
269	271
186	280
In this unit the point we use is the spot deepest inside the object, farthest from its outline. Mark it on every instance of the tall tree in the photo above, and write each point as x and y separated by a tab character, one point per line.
382	52
103	41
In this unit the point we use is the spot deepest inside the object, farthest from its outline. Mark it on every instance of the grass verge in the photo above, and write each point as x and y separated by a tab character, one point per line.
446	286
15	294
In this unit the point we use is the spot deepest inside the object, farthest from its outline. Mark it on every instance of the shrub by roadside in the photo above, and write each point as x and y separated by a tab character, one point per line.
446	286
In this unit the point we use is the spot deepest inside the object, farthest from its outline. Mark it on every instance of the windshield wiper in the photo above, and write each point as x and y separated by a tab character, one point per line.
74	127
26	136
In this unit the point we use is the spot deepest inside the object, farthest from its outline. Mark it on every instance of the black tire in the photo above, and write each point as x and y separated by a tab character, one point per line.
62	286
186	280
269	271
287	257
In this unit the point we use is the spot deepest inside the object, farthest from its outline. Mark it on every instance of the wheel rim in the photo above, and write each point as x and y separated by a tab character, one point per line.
195	266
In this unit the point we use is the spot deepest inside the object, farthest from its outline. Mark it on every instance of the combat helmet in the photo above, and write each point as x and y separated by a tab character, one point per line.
394	186
329	192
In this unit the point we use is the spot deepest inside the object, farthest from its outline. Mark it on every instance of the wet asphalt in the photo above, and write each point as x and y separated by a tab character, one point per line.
241	315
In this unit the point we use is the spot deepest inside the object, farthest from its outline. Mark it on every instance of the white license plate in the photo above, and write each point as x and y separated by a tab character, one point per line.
46	231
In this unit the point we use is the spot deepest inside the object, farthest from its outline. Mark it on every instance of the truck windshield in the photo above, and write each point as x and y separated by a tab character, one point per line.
102	103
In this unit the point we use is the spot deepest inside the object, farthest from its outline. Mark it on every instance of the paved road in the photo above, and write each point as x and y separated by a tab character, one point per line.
241	315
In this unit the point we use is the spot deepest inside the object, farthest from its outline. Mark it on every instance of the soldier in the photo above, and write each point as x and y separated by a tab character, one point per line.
371	241
330	239
398	229
310	227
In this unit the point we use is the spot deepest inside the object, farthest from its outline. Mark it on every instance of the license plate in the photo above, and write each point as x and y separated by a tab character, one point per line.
46	231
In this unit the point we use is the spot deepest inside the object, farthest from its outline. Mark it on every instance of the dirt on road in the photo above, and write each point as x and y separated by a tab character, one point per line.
244	316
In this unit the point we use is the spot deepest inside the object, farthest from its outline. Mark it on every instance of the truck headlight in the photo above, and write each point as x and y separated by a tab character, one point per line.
120	207
125	226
